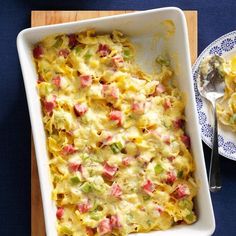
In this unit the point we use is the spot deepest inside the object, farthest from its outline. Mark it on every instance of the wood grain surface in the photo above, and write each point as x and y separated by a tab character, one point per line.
39	18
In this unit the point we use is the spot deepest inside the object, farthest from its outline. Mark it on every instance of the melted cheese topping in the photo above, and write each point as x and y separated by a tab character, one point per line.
118	154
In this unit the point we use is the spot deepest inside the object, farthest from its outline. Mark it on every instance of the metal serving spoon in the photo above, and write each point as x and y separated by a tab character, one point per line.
211	86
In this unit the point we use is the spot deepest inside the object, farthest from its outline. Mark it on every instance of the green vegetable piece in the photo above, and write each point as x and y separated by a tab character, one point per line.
78	49
162	61
95	215
87	56
58	42
233	118
84	156
116	147
86	187
190	218
185	204
65	230
74	180
127	53
146	197
158	169
180	174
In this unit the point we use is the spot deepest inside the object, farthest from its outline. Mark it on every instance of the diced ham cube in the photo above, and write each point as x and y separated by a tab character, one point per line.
110	91
115	221
103	50
85	80
126	161
159	209
40	79
167	104
60	213
38	51
84	207
68	150
116	116
80	109
72	40
57	81
118	61
73	167
160	88
178	123
148	187
166	139
64	53
104	227
181	191
116	190
171	177
138	108
49	105
186	140
89	231
109	171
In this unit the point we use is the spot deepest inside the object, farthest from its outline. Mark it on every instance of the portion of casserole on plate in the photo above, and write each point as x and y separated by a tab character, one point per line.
120	160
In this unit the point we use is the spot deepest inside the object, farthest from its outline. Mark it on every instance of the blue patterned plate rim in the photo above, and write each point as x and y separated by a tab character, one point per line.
221	46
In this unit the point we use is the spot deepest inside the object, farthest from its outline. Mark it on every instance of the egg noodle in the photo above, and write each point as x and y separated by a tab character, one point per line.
226	108
119	157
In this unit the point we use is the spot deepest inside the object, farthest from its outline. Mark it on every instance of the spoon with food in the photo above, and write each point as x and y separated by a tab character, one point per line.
211	86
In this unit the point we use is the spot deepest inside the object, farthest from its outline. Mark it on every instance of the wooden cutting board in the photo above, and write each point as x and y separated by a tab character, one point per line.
39	18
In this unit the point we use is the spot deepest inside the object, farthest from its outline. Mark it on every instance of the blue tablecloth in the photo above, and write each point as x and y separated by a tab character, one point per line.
215	18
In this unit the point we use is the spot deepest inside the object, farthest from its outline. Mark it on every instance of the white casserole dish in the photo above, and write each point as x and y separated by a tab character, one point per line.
144	29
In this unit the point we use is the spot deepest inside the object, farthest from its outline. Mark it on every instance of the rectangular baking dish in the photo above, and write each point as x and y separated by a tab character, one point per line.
153	33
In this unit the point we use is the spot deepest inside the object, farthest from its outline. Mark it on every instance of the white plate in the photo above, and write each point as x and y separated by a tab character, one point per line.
143	29
224	46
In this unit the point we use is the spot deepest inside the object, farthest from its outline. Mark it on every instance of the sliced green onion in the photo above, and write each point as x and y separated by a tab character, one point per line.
233	118
162	61
87	56
74	180
78	49
190	218
127	53
185	204
58	42
180	174
84	156
116	147
65	230
86	187
96	215
158	169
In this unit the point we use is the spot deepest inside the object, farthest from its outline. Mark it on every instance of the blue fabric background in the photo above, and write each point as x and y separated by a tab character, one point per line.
215	18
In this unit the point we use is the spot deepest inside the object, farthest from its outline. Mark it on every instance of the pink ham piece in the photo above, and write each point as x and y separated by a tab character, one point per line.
109	171
186	140
115	222
116	190
103	50
167	104
73	167
166	139
104	227
68	150
171	177
80	109
60	213
109	91
50	105
85	80
84	207
138	108
181	191
89	231
160	89
178	123
116	116
126	161
57	81
72	40
159	209
118	61
38	52
64	53
148	187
